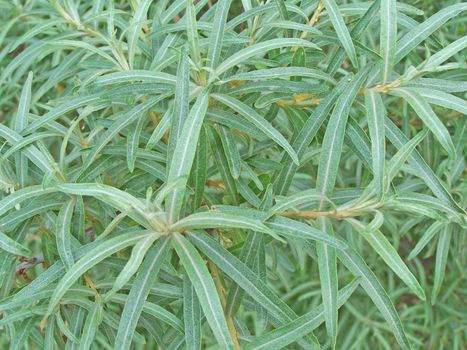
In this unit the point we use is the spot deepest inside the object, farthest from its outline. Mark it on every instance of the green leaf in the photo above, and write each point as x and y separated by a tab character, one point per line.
11	246
442	252
182	105
214	219
376	113
60	110
356	32
390	256
222	164
442	99
252	116
134	29
191	316
334	136
133	143
90	327
145	76
230	151
287	334
341	29
259	48
108	194
420	32
423	170
63	233
32	152
18	197
388	36
425	113
281	72
184	155
439	57
217	36
243	276
401	156
354	262
20	122
125	120
92	258
205	289
140	290
137	255
426	238
305	136
327	264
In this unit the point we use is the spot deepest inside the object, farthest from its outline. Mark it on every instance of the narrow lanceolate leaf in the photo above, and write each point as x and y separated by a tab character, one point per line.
390	256
388	36
213	219
376	113
253	248
192	33
355	33
327	263
205	289
11	246
125	120
217	36
63	233
252	116
184	154
426	114
334	136
20	122
230	151
443	99
137	255
191	316
442	252
181	104
32	152
307	197
439	57
244	277
105	193
199	170
398	139
429	234
133	143
260	48
396	162
139	292
60	110
307	133
135	28
341	29
135	75
422	31
282	72
92	258
18	197
90	328
354	262
287	334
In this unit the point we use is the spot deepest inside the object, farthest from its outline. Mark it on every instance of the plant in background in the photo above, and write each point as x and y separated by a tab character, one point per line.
226	174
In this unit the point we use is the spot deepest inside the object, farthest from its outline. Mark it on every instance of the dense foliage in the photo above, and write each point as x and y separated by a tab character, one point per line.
232	174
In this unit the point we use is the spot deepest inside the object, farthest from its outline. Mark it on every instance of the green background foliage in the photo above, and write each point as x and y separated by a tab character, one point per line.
232	174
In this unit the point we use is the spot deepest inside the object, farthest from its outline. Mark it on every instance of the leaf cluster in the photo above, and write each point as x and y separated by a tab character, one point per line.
232	175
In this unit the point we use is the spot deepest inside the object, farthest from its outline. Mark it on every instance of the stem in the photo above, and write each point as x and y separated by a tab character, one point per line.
314	18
